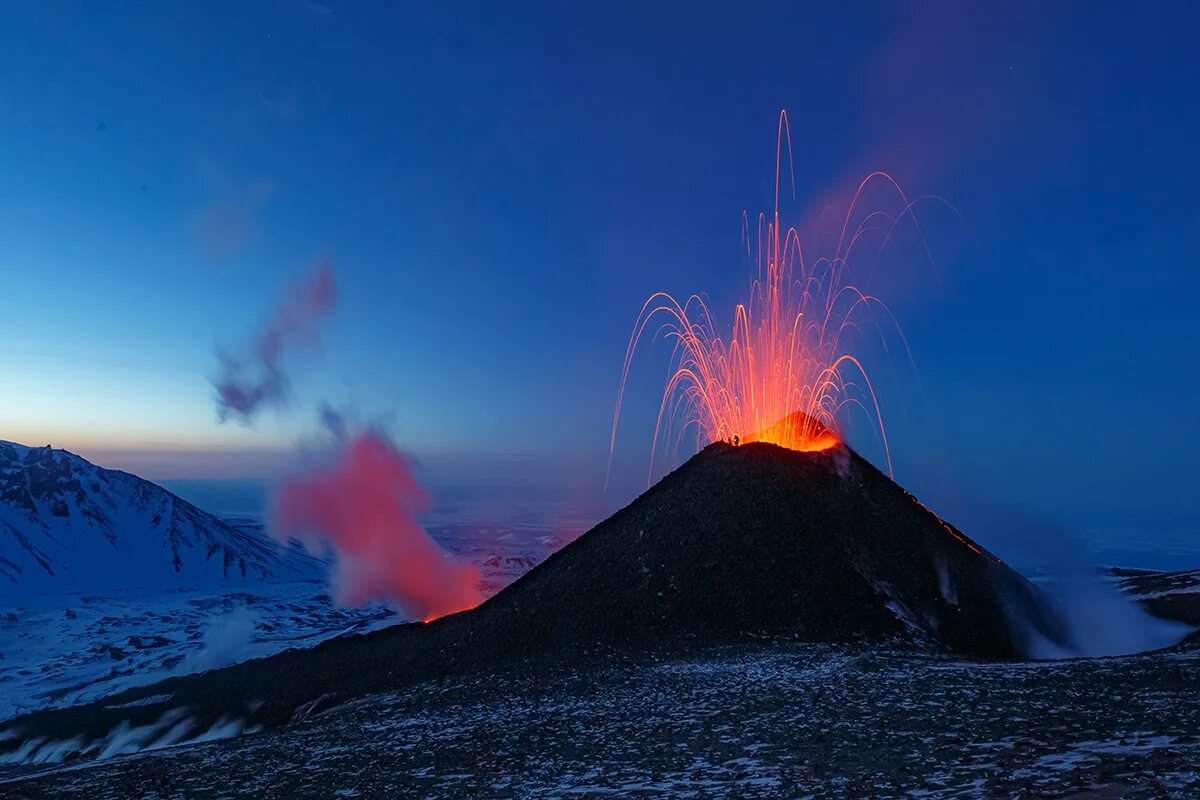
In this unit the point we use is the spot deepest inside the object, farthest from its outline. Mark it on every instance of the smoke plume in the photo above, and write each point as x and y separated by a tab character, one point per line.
256	377
227	638
1098	619
364	505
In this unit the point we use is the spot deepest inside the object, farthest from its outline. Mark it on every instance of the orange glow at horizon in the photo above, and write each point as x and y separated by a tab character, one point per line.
785	374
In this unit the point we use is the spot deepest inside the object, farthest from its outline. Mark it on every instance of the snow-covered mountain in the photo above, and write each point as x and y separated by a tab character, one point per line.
108	581
67	524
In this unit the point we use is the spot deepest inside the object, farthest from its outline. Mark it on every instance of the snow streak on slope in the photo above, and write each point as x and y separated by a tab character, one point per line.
66	524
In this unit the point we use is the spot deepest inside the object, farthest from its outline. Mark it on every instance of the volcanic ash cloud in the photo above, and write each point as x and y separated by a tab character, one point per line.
256	377
364	505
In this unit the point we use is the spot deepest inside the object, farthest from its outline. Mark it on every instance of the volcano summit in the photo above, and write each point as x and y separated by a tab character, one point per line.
757	538
741	541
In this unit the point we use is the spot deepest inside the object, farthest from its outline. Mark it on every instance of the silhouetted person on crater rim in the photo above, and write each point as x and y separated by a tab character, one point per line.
736	440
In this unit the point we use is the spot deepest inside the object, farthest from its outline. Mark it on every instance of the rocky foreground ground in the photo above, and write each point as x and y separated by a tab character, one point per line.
774	719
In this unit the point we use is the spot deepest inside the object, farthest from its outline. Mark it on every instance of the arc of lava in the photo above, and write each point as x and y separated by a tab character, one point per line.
788	350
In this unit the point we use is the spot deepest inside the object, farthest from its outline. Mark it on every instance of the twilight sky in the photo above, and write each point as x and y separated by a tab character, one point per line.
498	191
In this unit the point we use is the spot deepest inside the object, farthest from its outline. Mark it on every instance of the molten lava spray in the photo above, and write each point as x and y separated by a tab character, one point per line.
256	377
784	374
364	505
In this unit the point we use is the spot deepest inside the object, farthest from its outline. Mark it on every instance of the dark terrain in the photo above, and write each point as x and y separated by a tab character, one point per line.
770	720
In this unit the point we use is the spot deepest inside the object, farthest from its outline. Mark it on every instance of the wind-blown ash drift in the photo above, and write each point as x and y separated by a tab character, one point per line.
739	542
365	504
256	377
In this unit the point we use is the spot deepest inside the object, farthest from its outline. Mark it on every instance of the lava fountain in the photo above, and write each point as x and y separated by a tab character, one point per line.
786	373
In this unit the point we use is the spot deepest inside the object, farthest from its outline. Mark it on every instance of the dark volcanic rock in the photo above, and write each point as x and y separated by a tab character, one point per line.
760	539
766	720
740	541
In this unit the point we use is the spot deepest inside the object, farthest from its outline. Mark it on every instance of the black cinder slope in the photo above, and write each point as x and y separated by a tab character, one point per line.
739	541
761	539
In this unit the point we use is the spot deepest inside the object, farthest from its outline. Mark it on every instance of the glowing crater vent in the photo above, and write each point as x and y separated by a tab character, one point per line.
788	369
797	431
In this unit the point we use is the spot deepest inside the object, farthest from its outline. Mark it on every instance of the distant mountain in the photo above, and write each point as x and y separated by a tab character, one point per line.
67	524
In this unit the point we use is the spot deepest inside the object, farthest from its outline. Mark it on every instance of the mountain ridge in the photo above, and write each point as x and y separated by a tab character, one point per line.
66	523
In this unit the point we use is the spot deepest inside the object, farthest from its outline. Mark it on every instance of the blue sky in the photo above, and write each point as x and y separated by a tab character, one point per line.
499	190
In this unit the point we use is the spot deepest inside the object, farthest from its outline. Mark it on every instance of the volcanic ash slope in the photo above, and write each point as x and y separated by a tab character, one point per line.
760	539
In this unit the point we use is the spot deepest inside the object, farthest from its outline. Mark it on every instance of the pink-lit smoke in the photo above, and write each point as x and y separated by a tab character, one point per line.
256	377
365	504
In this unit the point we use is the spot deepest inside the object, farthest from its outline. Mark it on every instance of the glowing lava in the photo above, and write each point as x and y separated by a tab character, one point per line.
785	374
797	431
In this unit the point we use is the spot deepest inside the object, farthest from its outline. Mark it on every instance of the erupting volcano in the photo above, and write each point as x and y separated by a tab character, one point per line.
739	545
790	535
785	375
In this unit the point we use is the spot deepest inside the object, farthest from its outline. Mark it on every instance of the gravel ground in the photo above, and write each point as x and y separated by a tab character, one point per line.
771	720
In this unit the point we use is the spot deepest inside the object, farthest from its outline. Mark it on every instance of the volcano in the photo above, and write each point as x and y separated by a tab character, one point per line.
742	541
761	539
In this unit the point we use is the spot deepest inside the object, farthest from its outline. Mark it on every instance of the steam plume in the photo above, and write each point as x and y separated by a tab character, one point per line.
364	505
1099	620
227	638
257	377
